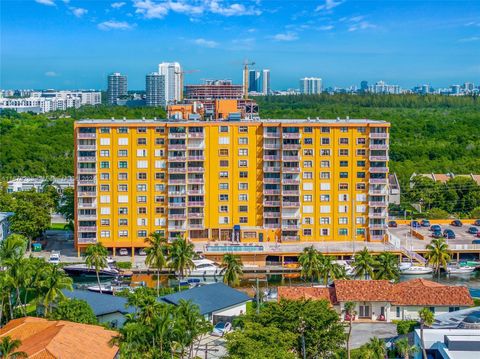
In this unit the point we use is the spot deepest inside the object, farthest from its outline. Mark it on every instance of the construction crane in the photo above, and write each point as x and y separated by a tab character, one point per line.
182	75
245	77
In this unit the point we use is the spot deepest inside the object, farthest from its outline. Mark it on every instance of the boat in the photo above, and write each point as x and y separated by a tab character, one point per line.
404	265
84	270
109	289
349	270
204	268
416	270
460	269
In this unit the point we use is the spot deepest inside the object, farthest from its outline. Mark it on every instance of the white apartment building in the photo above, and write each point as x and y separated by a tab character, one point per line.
311	85
173	80
22	184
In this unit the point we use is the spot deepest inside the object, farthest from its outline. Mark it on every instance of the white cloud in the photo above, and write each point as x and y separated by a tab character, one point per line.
46	2
215	6
117	5
287	36
114	25
205	43
362	25
325	27
51	74
78	11
470	39
329	5
150	9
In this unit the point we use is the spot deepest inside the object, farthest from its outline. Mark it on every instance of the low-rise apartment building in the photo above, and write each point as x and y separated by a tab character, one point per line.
247	181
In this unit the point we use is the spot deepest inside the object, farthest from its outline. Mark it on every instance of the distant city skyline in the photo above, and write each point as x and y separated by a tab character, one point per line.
67	44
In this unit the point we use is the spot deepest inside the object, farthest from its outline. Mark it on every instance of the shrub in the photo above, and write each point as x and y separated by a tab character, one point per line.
124	265
405	326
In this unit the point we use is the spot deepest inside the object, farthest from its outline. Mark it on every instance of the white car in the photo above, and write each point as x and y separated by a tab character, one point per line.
141	252
54	258
123	252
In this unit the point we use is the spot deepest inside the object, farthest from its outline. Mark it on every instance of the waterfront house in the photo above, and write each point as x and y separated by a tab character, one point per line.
55	339
381	300
217	302
449	343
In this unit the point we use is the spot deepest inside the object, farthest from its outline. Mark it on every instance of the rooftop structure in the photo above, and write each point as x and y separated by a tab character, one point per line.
449	343
444	177
209	110
28	183
214	91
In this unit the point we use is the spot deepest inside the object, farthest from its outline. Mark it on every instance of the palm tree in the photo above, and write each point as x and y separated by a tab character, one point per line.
426	319
377	348
331	270
350	311
55	281
12	248
438	254
387	267
404	348
364	264
310	261
156	254
181	256
8	347
96	257
232	269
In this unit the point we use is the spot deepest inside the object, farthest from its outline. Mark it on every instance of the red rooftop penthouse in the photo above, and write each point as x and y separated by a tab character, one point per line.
383	300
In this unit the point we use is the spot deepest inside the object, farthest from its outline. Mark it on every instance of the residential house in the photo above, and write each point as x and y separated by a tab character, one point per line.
5	224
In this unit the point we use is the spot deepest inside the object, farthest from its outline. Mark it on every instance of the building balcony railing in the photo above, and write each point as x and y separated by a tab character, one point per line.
86	240
290	204
377	204
177	204
290	226
87	229
196	180
271	225
177	193
378	135
291	181
177	169
291	135
378	180
271	158
377	237
378	215
196	225
86	194
291	192
177	228
87	159
87	147
286	215
86	135
271	180
177	158
196	169
291	169
271	146
196	135
196	146
177	147
196	203
177	135
378	169
291	158
290	238
377	226
87	217
378	158
271	191
177	216
271	203
195	191
87	205
196	158
271	214
271	169
176	181
296	146
87	170
378	147
196	215
271	134
378	191
87	182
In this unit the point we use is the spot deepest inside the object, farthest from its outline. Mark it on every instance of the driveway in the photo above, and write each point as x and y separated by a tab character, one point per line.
362	332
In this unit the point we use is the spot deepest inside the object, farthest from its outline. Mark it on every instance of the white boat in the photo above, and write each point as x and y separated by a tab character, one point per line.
460	270
417	270
109	289
204	268
350	271
404	265
83	270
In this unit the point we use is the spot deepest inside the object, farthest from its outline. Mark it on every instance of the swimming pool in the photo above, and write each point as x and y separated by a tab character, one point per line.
239	248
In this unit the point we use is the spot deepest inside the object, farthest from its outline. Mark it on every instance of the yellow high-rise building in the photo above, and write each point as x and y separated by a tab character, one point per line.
249	181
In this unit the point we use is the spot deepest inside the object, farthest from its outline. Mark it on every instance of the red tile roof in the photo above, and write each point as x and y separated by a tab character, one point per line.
363	290
313	293
44	339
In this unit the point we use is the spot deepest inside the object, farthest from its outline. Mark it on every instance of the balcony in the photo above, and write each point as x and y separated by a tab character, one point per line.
271	146
378	147
271	158
383	192
291	181
291	158
86	217
177	216
196	226
290	238
271	203
271	180
271	225
271	214
197	146
177	170
177	147
291	146
87	147
196	180
291	169
87	229
290	192
291	135
177	135
378	169
378	135
87	182
177	204
86	194
267	134
271	169
87	170
293	215
196	203
195	215
271	191
176	193
288	204
176	181
377	215
377	237
290	227
177	228
87	205
87	159
196	135
177	158
86	135
377	204
377	226
196	158
196	169
378	158
195	191
86	240
378	180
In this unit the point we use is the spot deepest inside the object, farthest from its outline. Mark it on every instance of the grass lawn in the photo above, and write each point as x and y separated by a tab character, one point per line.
57	226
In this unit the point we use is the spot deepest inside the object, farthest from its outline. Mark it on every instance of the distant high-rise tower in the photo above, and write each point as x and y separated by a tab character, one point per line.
266	90
117	87
173	80
311	85
364	86
155	89
253	80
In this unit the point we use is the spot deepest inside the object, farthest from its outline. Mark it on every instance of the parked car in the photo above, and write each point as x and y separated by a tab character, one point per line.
473	230
478	234
477	222
435	228
437	234
476	241
123	252
414	224
392	224
456	223
54	258
425	223
449	234
141	252
221	329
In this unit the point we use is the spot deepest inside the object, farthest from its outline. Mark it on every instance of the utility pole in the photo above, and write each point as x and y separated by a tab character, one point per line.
301	329
258	298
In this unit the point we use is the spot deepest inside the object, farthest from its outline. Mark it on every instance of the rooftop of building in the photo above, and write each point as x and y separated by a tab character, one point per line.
101	304
42	338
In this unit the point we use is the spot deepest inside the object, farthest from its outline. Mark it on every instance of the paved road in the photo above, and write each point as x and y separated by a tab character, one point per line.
362	332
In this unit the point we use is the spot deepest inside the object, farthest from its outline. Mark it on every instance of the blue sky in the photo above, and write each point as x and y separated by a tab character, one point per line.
75	44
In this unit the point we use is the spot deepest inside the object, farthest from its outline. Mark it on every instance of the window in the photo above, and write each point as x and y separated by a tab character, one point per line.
360	231
343	186
324	220
142	187
243	209
224	174
223	186
307	220
122	153
141	199
123	210
343	129
243	197
122	130
141	221
343	174
325	141
122	187
142	210
360	174
360	186
243	186
325	152
141	141
307	175
223	220
361	197
141	130
141	153
325	164
104	188
307	198
123	141
325	186
307	130
105	234
159	153
361	152
342	209
243	129
104	164
307	232
224	140
104	153
105	210
104	199
123	222
453	309
223	163
160	129
243	152
243	220
325	129
360	220
105	142
123	233
104	130
361	129
308	141
159	141
343	141
343	152
324	198
243	174
432	309
122	164
122	199
242	163
324	232
223	209
142	164
159	175
223	197
361	141
343	197
141	175
325	209
243	141
360	163
307	164
325	175
105	176
223	129
342	220
159	187
104	222
308	152
223	152
342	231
343	163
